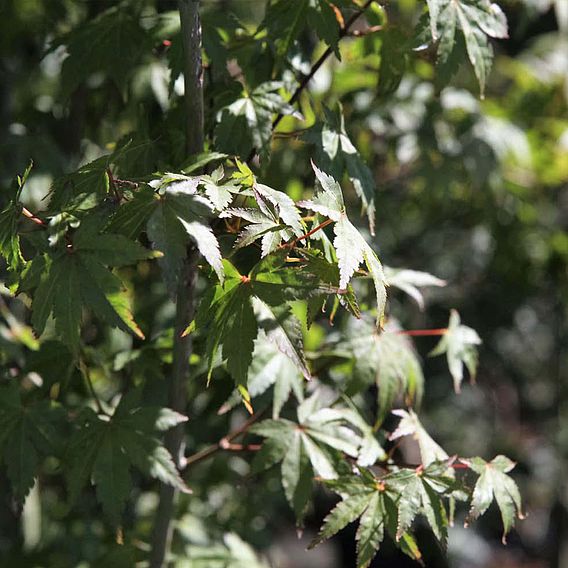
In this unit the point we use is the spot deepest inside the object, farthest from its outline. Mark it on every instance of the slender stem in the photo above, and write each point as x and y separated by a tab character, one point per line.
27	213
293	243
307	78
87	376
225	442
419	332
185	296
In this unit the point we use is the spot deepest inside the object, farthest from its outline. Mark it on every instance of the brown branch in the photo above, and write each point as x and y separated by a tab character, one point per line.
421	332
225	442
323	57
293	243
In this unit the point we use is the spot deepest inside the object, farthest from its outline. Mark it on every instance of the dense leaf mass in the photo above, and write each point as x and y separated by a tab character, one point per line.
193	287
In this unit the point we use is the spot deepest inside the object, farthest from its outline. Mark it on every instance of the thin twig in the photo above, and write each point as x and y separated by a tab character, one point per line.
87	376
307	78
27	213
293	243
420	332
225	442
367	31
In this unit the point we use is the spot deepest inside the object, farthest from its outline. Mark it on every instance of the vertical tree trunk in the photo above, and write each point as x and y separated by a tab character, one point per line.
185	300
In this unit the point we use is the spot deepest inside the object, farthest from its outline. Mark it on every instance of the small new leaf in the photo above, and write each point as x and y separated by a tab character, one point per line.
180	215
459	344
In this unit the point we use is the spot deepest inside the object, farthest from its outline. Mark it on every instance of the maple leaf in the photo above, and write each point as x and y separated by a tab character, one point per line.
219	194
231	314
477	20
351	247
9	238
277	219
28	433
459	343
246	124
389	360
422	491
410	282
298	446
77	275
410	425
93	47
494	483
335	153
104	451
372	501
181	214
270	367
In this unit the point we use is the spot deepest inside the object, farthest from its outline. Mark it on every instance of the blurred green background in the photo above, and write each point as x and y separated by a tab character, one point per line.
472	190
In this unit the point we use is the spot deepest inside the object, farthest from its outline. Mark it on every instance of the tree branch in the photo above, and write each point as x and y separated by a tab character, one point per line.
225	442
185	296
345	31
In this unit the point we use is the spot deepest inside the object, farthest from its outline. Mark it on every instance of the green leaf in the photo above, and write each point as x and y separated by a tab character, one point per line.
111	476
220	194
227	317
371	530
423	491
89	181
104	451
344	513
459	344
305	447
113	43
246	124
277	219
336	154
351	247
328	273
410	425
67	302
410	282
199	161
394	61
366	499
77	276
284	330
389	360
270	367
131	217
179	215
478	20
9	217
297	476
28	434
285	20
493	482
